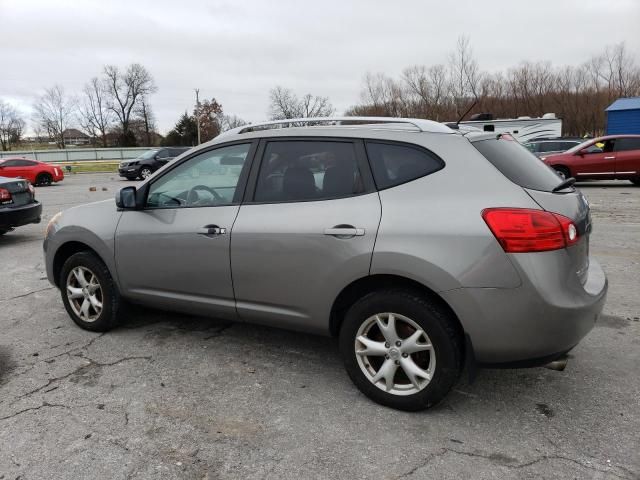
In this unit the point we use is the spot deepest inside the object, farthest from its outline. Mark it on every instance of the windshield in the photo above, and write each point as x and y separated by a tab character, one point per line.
148	154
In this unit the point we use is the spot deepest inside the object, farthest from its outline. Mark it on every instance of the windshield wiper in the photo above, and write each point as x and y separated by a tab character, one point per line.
564	184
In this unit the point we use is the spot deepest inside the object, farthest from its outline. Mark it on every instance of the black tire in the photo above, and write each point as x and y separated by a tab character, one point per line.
436	323
110	315
636	181
2	232
44	179
145	172
563	172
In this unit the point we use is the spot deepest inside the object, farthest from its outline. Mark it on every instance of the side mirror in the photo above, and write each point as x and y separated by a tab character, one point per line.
126	198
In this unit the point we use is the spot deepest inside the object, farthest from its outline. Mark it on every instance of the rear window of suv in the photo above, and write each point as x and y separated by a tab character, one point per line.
393	164
517	163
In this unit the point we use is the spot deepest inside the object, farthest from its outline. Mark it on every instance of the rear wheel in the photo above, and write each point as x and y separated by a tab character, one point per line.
563	172
89	293
400	349
44	179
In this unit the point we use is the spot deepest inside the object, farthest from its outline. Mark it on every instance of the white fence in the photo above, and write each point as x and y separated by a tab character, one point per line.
78	154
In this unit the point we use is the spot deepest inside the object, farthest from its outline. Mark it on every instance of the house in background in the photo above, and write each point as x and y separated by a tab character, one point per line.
73	136
623	116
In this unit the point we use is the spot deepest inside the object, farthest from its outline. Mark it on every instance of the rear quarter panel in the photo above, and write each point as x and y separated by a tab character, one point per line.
432	229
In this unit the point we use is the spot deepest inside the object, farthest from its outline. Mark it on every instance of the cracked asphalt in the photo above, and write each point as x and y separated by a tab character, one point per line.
169	396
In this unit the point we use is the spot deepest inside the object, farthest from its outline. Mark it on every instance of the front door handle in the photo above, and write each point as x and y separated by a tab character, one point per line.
609	158
344	231
212	231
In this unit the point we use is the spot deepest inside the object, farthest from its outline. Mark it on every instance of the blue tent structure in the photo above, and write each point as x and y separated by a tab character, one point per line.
623	116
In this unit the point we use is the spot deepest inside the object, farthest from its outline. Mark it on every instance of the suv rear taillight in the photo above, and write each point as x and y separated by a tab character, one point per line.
520	230
5	195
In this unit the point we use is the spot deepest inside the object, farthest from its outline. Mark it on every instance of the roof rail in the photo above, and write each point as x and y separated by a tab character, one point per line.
418	125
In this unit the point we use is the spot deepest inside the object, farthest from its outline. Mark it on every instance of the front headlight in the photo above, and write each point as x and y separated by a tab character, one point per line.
52	224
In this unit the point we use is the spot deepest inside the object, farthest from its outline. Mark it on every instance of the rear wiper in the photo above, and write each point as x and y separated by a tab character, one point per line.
565	184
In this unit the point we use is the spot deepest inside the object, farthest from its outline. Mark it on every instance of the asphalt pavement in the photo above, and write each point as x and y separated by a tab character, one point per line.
170	396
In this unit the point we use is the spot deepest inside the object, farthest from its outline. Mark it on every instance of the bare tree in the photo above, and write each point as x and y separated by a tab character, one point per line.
53	111
11	125
228	122
286	104
125	92
95	116
147	119
464	75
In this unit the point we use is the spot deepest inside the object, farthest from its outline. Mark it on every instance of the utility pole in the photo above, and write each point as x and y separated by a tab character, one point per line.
198	112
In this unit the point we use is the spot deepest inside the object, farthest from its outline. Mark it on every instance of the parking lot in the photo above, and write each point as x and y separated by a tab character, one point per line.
170	396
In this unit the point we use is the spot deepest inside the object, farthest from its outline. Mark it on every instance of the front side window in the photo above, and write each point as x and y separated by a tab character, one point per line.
207	180
394	164
163	153
294	171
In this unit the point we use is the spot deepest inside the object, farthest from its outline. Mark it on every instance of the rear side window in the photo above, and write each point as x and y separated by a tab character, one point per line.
294	171
517	164
550	147
626	144
394	164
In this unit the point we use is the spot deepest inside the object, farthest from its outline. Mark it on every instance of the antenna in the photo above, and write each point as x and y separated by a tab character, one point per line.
475	102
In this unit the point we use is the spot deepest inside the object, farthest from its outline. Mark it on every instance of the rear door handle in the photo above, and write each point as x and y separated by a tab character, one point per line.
212	231
344	231
609	158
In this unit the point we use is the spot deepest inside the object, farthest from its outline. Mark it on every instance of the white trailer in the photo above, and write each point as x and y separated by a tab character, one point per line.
524	129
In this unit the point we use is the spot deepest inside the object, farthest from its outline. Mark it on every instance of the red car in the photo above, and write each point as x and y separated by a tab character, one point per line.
604	158
38	173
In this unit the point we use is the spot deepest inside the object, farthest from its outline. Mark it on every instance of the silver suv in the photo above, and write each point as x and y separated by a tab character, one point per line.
423	249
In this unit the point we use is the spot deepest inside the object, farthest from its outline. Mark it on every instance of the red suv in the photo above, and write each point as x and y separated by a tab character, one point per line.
603	158
38	173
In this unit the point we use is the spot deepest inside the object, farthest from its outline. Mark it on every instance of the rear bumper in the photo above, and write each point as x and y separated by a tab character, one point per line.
530	325
23	215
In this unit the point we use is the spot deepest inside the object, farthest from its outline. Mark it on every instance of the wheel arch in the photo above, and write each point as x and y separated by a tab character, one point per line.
563	167
65	251
370	283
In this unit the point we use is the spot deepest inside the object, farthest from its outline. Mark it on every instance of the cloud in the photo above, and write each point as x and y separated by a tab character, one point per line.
237	51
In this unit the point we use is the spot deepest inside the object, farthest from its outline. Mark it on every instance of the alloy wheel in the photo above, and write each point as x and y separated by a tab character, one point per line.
144	173
84	293
395	353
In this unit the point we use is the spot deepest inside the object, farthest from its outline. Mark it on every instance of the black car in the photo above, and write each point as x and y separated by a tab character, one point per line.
149	162
18	205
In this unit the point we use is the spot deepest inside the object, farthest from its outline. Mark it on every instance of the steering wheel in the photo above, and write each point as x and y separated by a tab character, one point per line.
193	198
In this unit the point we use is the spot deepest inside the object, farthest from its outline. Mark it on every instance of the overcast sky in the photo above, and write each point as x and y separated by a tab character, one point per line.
238	50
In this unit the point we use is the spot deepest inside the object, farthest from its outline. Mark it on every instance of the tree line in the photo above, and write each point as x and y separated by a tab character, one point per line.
443	92
114	108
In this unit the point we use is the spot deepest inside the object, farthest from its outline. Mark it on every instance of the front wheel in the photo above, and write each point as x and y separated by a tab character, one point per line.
563	172
400	349
89	293
145	172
